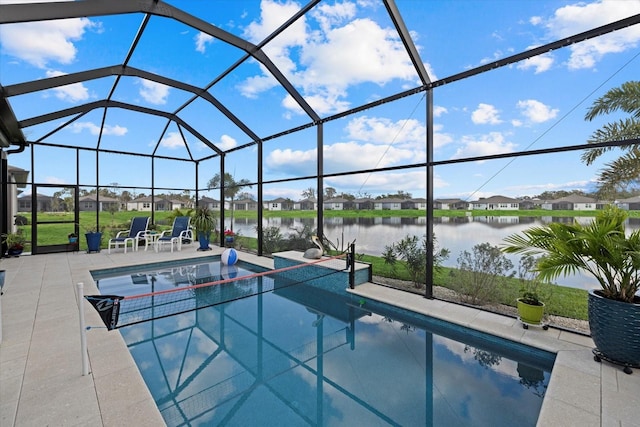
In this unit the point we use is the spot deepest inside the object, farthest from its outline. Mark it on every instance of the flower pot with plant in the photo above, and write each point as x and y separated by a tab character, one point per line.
604	250
15	243
204	221
229	238
530	304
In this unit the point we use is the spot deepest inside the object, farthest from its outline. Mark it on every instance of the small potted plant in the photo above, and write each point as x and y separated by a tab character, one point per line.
73	238
229	238
204	221
530	305
15	243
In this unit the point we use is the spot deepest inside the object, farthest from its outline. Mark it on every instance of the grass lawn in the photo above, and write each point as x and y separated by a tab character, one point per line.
51	232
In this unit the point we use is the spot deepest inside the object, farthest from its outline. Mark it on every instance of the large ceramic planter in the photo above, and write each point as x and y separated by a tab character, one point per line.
203	239
529	313
615	329
93	241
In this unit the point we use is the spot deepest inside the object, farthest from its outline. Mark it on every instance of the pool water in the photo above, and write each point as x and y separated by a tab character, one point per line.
299	355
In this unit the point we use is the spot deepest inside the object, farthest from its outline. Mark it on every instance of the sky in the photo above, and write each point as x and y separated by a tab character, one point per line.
341	55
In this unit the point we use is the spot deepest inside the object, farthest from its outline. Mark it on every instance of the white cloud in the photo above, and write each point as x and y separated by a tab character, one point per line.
226	142
331	58
485	145
379	130
202	40
77	127
485	114
154	93
535	20
540	63
579	17
439	111
253	86
39	43
440	139
172	140
72	93
533	189
375	142
340	156
410	134
536	111
376	183
321	103
54	180
335	14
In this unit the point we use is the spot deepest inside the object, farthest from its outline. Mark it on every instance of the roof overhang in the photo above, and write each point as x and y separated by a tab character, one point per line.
10	132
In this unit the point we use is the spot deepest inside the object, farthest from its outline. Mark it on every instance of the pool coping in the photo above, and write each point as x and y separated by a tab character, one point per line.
41	381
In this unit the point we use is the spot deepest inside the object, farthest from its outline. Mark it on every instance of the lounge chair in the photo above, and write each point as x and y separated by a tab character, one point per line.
179	233
134	235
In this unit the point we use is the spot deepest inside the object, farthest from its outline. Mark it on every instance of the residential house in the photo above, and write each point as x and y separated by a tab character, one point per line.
279	204
210	203
386	203
143	204
496	203
180	204
530	204
573	202
43	203
91	203
629	204
363	204
338	204
308	204
450	204
245	205
414	204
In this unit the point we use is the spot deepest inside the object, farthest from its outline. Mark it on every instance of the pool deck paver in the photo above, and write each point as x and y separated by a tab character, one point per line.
41	381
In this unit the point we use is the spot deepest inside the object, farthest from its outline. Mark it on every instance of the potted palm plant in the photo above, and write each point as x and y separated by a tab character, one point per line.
604	250
204	221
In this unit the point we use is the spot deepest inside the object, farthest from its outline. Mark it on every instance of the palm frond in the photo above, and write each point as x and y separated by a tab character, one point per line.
625	98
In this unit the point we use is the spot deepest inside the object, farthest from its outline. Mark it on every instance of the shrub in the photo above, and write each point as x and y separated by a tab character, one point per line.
413	251
481	274
272	239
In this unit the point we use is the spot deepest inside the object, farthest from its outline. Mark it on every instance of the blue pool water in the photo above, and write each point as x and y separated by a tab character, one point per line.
299	355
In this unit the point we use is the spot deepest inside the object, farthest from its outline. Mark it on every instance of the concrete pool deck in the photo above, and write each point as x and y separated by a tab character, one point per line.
41	381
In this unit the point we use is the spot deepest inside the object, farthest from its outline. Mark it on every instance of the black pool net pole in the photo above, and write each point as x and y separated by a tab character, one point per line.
351	265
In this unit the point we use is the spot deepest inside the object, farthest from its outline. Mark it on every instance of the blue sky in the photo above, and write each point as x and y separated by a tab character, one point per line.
341	55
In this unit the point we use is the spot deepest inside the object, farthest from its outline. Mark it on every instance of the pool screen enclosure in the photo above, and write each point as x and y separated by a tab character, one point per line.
151	30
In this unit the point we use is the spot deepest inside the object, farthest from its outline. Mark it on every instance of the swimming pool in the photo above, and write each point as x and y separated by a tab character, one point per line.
299	355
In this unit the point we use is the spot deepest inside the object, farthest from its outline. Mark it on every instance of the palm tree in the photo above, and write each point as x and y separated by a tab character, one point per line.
625	170
231	188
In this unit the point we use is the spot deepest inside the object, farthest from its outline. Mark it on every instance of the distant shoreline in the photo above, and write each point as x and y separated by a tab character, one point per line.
415	213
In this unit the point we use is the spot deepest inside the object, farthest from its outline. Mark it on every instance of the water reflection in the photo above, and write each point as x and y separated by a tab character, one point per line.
296	357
